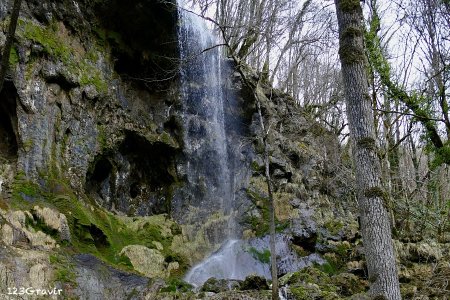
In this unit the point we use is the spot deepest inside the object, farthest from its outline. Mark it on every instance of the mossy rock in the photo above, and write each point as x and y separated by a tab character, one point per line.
310	291
219	285
64	268
408	291
96	231
316	283
310	275
254	282
349	284
80	66
176	286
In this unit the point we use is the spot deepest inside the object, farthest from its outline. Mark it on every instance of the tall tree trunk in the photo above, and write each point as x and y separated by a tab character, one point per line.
375	228
9	41
272	233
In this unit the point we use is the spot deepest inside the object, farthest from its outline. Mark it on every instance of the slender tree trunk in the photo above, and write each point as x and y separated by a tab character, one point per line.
273	253
9	41
265	134
375	228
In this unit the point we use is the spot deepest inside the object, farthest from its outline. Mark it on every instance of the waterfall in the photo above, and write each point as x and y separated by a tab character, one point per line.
205	139
203	98
210	150
208	164
234	260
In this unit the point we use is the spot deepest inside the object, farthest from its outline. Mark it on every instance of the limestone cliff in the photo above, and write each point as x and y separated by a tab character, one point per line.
89	136
93	196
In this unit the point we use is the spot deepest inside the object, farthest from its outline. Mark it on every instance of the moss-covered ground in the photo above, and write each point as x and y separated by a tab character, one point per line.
94	230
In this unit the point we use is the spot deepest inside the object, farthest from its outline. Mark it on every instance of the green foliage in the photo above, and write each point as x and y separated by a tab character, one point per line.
328	268
374	49
39	225
262	256
416	102
64	268
93	230
175	285
13	57
442	155
54	45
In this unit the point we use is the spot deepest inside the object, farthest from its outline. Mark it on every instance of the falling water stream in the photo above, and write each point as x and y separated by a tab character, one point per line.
203	99
205	139
208	169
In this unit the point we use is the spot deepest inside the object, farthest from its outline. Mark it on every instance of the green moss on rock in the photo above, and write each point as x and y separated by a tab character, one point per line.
13	57
83	65
96	231
262	256
259	224
314	283
64	269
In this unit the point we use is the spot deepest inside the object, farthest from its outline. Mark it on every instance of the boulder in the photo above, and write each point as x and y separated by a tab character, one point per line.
54	220
254	282
219	285
149	262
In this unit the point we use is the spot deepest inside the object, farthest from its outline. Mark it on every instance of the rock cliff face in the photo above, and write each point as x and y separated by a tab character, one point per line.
89	126
93	188
92	124
81	106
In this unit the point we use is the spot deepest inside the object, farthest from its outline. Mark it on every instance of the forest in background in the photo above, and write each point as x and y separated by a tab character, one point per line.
294	45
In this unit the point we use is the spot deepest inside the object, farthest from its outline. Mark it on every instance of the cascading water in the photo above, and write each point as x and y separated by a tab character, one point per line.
234	260
203	99
207	167
210	180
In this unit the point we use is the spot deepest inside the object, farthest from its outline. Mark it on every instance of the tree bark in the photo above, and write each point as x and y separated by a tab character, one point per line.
273	253
375	227
9	41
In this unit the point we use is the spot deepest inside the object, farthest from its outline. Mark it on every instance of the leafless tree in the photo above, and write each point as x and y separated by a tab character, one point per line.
375	228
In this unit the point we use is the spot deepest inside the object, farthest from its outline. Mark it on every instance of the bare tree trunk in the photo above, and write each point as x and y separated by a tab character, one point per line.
9	41
273	253
264	137
375	228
